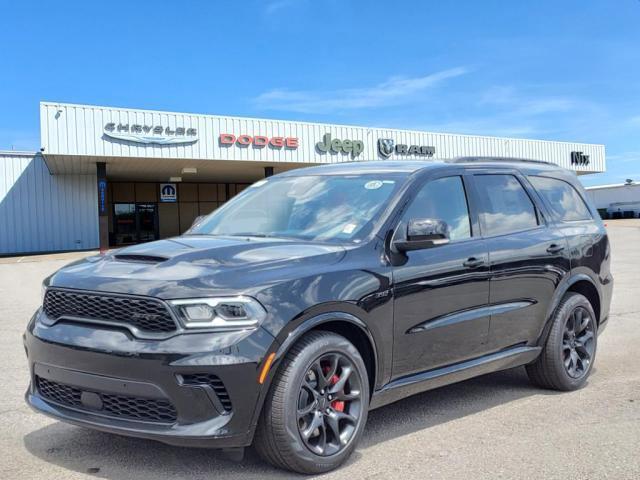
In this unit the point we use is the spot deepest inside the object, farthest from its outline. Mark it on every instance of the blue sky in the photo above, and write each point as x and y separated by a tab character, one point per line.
563	70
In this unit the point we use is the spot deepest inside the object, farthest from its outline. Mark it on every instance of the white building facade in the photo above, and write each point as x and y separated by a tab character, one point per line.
616	201
112	176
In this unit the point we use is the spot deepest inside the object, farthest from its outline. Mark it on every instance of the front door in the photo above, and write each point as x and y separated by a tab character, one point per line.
441	293
147	221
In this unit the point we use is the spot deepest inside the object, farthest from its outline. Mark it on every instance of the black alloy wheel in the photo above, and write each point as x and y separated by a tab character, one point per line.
568	353
578	345
317	405
329	404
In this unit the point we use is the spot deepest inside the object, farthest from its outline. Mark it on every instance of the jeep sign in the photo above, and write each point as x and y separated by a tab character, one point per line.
354	147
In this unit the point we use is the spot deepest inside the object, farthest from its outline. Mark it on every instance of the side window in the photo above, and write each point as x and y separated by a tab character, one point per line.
562	198
443	199
504	206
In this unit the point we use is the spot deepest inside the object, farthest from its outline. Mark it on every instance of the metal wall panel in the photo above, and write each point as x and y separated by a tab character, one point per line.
40	212
604	196
79	130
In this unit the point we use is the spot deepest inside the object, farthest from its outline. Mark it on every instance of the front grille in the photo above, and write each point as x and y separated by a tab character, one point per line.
147	315
59	393
120	406
214	382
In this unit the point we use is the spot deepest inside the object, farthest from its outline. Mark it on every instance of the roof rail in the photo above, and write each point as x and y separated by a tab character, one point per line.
500	159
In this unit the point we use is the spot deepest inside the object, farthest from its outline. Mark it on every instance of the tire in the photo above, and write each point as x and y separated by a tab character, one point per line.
280	436
564	349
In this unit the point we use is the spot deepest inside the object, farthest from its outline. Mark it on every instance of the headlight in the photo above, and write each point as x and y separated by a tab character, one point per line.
224	313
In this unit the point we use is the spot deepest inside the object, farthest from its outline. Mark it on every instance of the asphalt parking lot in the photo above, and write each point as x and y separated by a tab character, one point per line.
496	426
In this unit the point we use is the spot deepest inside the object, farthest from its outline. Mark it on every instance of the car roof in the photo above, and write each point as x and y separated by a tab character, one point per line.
411	166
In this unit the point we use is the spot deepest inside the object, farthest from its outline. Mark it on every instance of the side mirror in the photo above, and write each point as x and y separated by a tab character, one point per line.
423	233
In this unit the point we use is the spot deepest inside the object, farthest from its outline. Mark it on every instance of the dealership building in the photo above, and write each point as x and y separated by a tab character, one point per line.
106	177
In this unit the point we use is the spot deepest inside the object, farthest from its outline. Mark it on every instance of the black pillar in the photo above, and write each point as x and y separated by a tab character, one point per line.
268	171
103	213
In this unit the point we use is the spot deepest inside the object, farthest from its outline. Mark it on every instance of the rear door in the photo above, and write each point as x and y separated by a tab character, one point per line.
441	293
528	256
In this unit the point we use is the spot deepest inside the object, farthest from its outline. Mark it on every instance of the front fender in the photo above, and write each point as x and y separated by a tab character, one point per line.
303	324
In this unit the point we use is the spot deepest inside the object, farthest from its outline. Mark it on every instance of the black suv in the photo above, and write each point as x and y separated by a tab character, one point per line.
316	295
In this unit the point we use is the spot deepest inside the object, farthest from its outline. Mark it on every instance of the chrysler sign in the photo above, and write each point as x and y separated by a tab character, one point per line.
150	134
388	146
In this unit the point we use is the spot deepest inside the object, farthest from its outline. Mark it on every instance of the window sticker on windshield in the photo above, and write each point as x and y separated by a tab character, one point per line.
349	228
373	185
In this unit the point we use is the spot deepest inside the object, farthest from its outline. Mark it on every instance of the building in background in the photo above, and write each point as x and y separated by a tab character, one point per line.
107	177
620	200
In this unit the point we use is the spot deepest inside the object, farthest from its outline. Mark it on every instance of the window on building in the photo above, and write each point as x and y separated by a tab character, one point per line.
443	199
504	206
563	200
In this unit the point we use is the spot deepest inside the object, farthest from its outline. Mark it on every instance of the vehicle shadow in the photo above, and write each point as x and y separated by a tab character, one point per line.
120	458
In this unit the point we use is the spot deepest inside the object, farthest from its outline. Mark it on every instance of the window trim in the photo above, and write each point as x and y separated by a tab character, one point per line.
474	227
553	215
539	212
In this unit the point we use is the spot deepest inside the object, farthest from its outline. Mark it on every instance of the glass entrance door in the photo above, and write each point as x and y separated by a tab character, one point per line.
147	217
134	223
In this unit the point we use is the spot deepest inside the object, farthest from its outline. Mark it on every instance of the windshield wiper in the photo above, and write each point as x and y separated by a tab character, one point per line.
247	234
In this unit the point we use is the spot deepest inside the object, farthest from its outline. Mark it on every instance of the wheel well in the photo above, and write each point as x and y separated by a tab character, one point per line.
589	291
359	339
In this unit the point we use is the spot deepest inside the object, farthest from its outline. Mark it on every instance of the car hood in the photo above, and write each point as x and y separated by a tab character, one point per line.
190	266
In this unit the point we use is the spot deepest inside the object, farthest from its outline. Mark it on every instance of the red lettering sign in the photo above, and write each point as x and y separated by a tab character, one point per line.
227	139
244	140
259	141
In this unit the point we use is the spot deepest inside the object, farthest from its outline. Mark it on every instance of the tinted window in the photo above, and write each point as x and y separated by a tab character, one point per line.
504	205
563	200
443	199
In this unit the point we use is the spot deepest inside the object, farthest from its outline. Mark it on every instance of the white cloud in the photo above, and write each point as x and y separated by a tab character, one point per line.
273	7
391	92
494	126
635	121
518	102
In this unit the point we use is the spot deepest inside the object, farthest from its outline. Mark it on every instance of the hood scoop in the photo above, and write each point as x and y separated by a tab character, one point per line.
138	258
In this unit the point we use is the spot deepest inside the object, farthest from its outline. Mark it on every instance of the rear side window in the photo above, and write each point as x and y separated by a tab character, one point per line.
505	206
562	198
443	199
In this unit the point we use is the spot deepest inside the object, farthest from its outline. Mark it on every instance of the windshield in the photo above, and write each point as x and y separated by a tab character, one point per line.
318	207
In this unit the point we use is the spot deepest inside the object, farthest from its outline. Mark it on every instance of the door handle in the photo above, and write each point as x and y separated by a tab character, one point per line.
473	262
555	248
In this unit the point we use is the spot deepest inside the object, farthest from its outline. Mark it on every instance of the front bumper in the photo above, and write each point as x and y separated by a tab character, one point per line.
197	389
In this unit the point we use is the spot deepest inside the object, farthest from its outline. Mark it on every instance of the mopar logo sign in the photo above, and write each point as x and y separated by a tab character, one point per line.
168	192
102	197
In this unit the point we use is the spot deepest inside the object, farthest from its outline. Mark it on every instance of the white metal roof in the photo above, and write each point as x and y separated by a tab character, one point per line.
74	137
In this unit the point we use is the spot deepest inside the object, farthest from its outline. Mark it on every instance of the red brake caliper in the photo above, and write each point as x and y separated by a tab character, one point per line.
337	405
